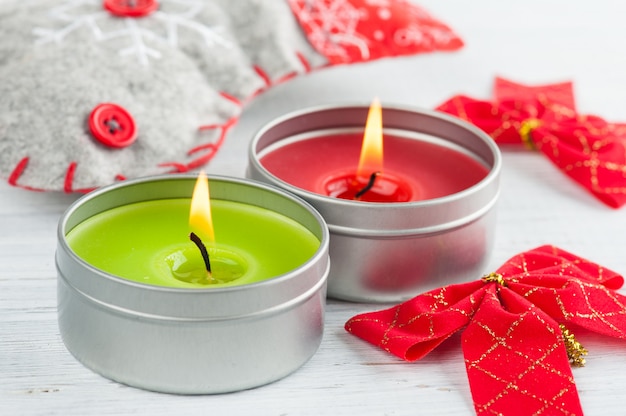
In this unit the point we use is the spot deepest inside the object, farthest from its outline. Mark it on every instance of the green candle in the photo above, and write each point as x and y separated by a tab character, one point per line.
148	242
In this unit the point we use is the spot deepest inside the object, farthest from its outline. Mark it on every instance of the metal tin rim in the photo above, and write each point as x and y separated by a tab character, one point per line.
327	205
106	282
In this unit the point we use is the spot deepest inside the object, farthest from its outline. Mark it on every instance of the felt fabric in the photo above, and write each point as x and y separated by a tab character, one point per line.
184	72
588	149
516	350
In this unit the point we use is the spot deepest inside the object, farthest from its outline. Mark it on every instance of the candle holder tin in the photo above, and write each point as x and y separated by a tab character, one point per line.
389	252
191	341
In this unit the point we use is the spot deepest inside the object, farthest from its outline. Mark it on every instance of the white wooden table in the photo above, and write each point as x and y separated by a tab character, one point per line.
532	42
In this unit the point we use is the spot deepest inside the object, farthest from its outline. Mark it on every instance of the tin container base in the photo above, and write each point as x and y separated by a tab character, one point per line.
391	270
190	358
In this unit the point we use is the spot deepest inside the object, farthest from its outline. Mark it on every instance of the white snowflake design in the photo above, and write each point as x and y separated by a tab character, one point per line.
339	20
132	29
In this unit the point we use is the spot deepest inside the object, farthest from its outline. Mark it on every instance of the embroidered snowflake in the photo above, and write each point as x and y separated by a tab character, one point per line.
89	13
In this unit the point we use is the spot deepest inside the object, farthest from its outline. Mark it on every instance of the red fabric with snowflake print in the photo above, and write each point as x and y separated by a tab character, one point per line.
347	31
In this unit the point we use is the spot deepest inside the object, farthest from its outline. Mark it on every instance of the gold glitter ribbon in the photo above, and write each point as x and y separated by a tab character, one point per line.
575	351
525	129
494	277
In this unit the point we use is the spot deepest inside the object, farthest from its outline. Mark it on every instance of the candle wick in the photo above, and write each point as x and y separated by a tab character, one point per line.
367	187
205	254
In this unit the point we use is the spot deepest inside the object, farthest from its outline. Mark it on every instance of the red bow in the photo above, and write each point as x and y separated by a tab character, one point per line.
588	149
516	349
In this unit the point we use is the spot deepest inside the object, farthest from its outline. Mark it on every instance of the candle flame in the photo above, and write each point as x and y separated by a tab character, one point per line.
371	159
200	220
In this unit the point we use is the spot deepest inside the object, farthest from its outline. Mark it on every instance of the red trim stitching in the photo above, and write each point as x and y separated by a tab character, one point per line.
176	167
69	177
287	77
67	186
305	62
211	147
17	171
210	127
256	93
231	98
226	125
69	180
263	74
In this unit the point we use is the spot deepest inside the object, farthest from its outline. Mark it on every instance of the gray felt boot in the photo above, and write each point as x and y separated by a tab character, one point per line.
96	91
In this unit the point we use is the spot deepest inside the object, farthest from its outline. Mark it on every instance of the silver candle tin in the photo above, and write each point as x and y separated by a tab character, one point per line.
191	341
389	252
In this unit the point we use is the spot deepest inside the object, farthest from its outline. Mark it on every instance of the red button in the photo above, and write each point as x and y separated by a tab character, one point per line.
113	126
131	8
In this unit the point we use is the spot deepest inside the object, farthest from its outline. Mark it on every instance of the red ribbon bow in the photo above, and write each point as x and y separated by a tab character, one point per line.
586	148
516	351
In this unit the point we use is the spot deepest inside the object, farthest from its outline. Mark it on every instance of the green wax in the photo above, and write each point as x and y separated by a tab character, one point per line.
148	242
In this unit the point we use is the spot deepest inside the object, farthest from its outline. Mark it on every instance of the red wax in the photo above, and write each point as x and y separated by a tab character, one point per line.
382	188
417	169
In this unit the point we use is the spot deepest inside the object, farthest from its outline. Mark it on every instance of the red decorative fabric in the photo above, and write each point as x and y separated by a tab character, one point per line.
586	148
515	355
348	31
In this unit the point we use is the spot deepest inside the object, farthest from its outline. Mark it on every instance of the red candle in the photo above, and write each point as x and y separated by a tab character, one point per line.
354	165
436	176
